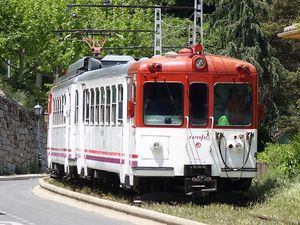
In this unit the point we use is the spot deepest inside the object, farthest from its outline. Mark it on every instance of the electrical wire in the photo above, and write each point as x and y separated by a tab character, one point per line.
223	160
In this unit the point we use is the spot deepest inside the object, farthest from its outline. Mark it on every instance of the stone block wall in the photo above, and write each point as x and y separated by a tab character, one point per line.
19	144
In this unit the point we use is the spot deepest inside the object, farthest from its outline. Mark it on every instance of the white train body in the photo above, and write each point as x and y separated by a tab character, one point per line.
98	122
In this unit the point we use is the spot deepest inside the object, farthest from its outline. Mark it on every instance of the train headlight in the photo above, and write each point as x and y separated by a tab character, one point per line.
199	63
238	146
156	146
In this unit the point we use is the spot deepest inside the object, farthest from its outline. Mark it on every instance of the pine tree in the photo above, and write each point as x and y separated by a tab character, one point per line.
236	23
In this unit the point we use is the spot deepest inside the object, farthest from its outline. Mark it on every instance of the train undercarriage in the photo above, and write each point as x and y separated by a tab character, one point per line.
190	184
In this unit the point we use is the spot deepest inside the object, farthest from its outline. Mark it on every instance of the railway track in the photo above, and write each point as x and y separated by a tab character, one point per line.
236	200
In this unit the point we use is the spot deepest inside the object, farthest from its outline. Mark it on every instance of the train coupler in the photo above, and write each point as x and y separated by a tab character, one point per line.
200	184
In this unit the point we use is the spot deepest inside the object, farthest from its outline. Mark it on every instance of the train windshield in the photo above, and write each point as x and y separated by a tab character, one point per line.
198	96
232	104
163	103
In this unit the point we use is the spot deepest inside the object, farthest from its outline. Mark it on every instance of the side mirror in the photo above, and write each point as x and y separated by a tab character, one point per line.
130	109
260	112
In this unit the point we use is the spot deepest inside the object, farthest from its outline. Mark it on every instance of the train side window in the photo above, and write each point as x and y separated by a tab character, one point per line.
87	106
63	108
114	105
59	108
108	101
97	106
54	111
198	96
83	105
76	107
120	104
92	111
102	105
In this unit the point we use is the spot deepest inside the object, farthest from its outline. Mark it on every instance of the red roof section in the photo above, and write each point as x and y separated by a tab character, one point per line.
183	62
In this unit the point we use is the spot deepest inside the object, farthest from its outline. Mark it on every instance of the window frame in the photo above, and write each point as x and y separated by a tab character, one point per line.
97	106
251	105
76	112
183	103
113	105
87	100
92	106
208	104
108	105
120	101
102	105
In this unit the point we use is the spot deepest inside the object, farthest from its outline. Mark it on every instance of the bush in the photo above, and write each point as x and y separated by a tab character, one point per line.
283	159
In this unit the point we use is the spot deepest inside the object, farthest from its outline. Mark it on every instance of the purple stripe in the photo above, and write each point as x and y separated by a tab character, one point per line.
133	163
58	154
104	159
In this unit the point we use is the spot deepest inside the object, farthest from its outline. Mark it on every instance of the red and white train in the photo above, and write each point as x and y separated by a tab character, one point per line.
179	120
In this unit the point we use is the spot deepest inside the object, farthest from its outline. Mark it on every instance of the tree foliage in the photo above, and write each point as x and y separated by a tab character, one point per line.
244	29
28	40
237	24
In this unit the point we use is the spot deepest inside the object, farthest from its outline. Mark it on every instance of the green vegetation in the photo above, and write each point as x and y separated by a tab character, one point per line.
243	29
283	159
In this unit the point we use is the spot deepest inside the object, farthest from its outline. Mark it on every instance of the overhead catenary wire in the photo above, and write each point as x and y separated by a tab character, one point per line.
133	6
101	31
108	32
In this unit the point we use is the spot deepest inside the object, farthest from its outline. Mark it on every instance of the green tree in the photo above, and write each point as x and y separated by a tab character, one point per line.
237	26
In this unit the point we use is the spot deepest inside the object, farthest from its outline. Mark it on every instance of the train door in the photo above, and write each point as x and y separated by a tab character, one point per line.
128	130
235	128
198	143
71	115
66	121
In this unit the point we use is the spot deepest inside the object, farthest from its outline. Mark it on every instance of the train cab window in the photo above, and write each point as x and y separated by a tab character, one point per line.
198	97
232	104
97	106
92	111
76	107
120	104
102	105
114	105
107	106
163	103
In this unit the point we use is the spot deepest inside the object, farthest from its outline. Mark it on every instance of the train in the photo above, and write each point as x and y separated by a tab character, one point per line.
186	121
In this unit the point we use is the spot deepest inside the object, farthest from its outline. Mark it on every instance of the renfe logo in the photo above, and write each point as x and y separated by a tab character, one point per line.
198	137
198	145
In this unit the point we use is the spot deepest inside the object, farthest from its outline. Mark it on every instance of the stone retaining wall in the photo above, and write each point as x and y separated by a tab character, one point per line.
19	144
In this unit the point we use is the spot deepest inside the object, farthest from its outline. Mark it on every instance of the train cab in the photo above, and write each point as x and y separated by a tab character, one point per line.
195	118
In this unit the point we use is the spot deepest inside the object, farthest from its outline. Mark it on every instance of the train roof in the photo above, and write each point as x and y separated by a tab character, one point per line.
89	68
183	62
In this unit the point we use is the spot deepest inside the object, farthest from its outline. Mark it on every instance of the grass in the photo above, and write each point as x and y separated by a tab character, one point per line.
269	201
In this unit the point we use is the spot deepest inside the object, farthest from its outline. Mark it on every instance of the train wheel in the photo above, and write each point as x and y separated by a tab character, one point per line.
57	171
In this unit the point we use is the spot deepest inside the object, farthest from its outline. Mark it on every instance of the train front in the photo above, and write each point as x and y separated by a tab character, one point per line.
195	121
